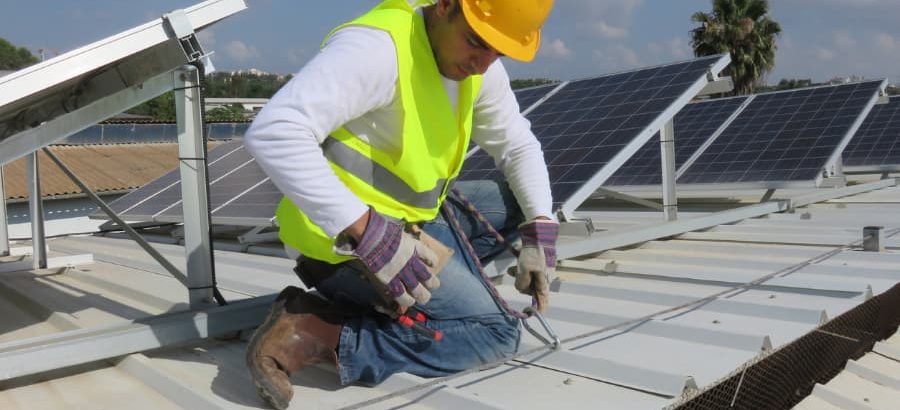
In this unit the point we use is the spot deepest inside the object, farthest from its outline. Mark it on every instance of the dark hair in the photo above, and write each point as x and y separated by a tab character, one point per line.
455	10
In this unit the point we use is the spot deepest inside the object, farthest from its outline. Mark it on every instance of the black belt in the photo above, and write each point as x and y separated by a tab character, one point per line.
312	271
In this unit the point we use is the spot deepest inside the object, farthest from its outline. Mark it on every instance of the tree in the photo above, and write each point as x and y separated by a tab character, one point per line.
161	108
528	82
743	29
14	58
230	112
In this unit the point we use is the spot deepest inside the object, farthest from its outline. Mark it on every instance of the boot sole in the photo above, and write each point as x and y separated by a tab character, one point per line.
266	390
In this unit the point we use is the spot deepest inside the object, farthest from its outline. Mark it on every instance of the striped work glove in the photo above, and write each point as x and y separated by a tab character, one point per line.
397	259
537	260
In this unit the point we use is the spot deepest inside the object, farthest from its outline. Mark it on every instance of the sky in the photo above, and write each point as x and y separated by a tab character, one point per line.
821	39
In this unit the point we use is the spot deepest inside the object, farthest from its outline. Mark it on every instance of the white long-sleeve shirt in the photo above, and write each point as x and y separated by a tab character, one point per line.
351	82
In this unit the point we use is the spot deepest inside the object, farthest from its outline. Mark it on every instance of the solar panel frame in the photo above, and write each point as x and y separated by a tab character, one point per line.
810	172
632	132
876	145
695	126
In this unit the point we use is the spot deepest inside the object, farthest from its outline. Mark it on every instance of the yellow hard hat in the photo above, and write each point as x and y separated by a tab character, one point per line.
512	27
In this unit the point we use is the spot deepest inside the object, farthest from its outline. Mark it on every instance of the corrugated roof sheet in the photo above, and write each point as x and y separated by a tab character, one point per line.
647	365
870	382
104	168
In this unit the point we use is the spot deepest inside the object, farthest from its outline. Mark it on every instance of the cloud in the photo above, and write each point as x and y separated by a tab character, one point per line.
676	48
843	39
886	41
824	54
556	49
207	38
240	51
592	16
616	57
298	57
603	30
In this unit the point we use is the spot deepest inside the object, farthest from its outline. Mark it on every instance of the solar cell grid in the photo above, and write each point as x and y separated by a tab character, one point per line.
259	202
783	136
241	173
877	142
164	191
694	124
526	97
588	122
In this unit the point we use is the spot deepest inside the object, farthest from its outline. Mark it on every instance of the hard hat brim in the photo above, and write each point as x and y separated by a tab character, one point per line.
504	44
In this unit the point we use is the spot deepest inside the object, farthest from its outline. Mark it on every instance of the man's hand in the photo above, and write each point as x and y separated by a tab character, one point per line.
397	259
537	260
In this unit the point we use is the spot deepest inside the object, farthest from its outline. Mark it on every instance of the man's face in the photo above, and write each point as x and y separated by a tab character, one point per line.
458	51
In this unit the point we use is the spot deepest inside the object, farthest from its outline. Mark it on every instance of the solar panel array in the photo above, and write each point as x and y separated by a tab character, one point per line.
147	133
877	142
694	125
238	188
784	136
588	122
594	119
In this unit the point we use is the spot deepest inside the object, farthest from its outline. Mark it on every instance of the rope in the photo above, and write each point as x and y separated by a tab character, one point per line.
786	271
454	223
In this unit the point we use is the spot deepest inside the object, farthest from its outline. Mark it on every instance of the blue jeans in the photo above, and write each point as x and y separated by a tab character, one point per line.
476	330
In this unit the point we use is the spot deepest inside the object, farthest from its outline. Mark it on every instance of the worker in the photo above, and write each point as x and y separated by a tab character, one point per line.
369	136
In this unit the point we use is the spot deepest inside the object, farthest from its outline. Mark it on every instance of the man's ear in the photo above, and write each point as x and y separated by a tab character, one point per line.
442	7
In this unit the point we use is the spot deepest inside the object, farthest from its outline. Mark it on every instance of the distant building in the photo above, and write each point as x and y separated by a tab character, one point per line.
251	105
845	80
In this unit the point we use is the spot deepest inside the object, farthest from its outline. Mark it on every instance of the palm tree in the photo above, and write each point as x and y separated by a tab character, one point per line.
744	29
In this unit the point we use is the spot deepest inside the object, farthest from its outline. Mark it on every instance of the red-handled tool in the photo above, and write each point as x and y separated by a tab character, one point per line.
413	319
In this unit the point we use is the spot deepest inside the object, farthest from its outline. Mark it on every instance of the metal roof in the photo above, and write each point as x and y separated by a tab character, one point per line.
651	362
104	168
870	382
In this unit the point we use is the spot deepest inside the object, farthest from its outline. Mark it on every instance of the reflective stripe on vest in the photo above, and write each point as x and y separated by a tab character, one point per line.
412	183
380	177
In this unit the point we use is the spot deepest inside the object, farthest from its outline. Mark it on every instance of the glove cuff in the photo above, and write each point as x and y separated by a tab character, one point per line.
539	232
379	241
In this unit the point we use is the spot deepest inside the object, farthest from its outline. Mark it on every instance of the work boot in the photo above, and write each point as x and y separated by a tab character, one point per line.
301	329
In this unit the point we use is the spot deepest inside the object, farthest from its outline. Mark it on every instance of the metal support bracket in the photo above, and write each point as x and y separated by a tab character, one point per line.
4	228
178	24
36	209
873	239
113	216
667	151
717	85
195	205
630	198
256	235
577	227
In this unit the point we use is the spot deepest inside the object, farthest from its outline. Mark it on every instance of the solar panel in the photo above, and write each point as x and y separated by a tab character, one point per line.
876	145
240	192
526	97
251	208
694	125
783	138
163	192
588	128
69	92
148	133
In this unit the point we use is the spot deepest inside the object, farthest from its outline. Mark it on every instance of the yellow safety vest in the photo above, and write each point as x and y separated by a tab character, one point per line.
410	184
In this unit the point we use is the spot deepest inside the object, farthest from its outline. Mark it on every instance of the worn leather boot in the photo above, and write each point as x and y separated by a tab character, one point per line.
301	329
